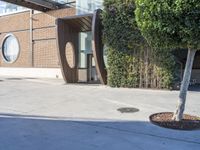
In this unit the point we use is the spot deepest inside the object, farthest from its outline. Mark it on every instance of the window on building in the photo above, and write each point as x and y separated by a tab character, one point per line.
10	49
88	6
85	48
6	8
63	1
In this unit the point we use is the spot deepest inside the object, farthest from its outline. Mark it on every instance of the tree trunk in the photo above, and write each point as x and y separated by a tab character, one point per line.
178	115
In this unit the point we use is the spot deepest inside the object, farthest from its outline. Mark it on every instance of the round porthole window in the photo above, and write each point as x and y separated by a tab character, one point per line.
10	48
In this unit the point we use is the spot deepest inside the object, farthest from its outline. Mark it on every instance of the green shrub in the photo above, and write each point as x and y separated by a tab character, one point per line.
131	62
121	72
122	36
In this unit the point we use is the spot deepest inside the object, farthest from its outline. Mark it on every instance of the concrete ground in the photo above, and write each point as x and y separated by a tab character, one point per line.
44	114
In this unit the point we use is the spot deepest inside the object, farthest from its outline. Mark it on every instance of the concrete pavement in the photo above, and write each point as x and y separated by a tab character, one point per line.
38	114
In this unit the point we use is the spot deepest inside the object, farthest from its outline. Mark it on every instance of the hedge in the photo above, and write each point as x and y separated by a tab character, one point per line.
131	61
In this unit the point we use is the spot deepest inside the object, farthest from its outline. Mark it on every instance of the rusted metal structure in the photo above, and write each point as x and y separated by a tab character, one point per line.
67	32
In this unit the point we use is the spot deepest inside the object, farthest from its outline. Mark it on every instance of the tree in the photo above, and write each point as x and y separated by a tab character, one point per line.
172	24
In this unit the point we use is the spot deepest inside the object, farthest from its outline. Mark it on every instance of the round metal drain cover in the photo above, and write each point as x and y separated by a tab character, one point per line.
128	110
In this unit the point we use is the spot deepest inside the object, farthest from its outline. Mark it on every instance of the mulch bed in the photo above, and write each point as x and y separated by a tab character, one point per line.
164	119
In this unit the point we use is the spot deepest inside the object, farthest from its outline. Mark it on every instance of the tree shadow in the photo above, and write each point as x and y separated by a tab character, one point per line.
28	132
18	78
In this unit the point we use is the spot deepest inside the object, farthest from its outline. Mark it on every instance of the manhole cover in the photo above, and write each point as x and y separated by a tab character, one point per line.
128	110
13	78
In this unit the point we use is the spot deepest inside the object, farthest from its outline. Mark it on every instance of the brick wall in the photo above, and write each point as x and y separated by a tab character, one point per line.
45	54
15	22
44	49
19	26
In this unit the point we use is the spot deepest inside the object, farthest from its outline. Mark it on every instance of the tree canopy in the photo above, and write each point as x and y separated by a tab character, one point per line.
170	23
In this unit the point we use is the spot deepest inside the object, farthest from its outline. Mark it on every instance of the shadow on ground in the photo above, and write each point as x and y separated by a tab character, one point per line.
25	132
19	78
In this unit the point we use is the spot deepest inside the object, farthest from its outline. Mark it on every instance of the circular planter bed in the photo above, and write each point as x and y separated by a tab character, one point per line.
164	119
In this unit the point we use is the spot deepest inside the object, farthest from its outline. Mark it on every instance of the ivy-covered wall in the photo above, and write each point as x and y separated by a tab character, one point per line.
131	62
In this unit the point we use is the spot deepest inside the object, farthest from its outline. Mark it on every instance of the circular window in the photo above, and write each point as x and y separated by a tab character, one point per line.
10	48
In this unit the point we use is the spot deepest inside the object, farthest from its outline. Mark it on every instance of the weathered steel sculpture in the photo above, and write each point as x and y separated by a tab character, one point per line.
67	31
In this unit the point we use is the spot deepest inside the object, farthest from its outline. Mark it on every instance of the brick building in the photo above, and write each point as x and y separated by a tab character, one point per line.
28	41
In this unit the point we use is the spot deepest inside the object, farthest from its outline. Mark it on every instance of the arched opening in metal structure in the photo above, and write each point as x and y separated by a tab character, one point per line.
68	30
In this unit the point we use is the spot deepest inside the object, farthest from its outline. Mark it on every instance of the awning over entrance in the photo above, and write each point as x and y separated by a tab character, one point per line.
41	5
80	23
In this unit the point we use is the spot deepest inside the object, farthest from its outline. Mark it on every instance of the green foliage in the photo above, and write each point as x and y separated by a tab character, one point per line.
131	62
121	35
166	67
120	28
121	69
188	13
169	23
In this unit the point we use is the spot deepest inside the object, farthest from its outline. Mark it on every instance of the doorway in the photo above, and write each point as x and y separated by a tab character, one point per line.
91	69
87	68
